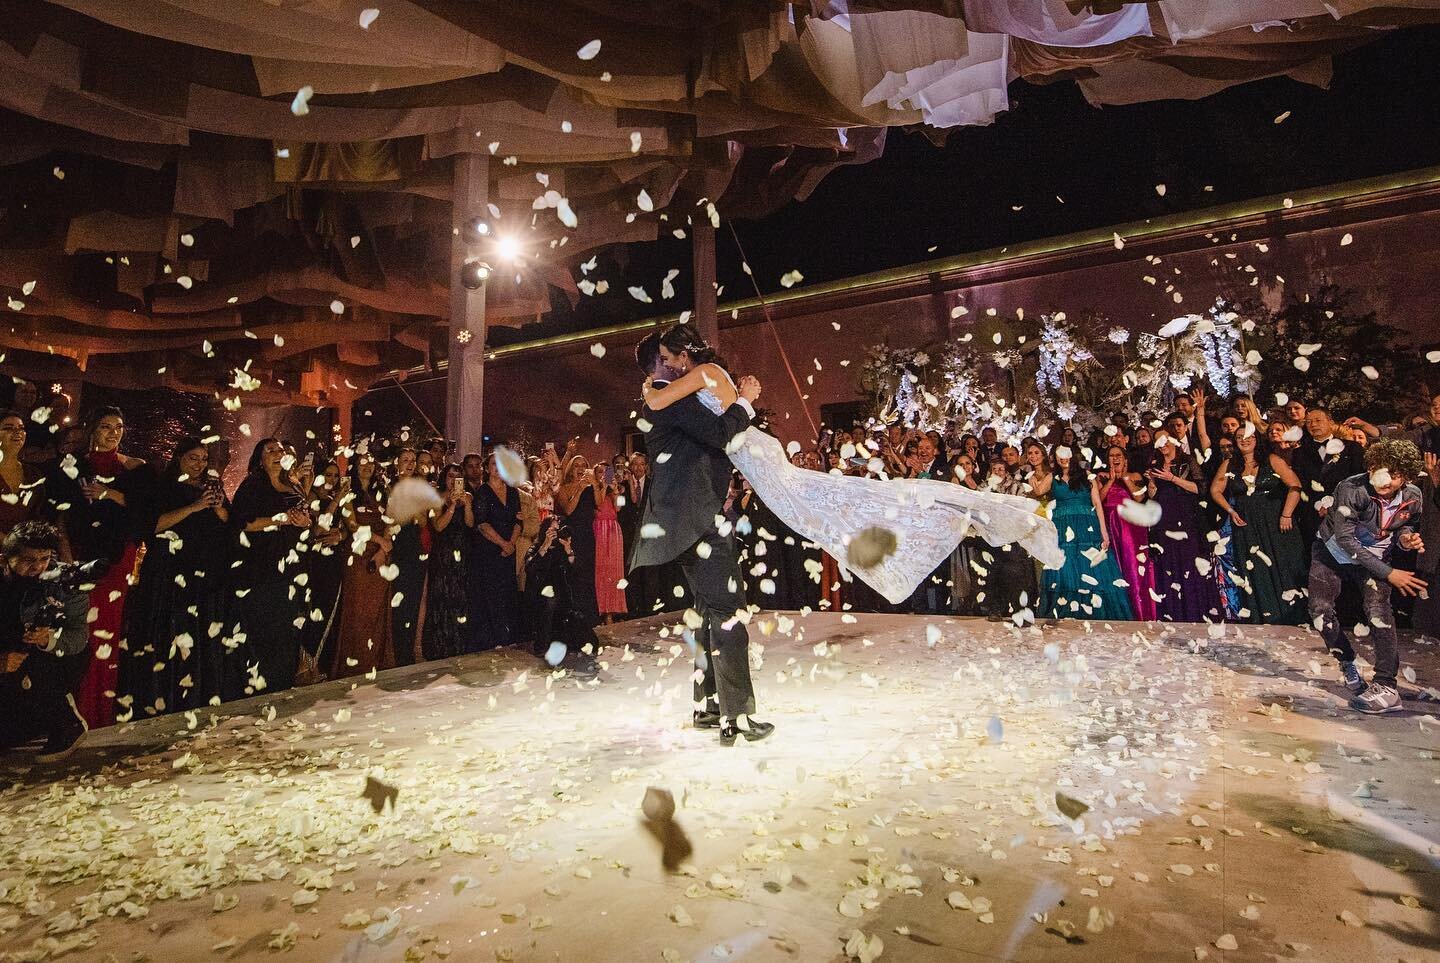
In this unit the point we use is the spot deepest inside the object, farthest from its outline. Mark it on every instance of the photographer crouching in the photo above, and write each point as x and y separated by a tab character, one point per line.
44	647
550	609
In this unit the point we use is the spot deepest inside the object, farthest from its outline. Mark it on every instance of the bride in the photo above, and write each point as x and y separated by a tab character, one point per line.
927	518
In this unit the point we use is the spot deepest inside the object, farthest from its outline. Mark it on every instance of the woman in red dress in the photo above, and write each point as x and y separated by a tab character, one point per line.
99	524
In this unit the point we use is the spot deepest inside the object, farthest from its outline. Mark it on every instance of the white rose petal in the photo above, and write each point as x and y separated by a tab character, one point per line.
510	466
300	106
1144	514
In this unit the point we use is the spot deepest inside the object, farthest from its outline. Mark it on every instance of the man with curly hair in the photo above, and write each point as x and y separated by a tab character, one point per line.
43	640
1371	514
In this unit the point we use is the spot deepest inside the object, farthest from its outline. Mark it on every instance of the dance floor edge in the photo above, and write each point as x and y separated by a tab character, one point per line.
908	805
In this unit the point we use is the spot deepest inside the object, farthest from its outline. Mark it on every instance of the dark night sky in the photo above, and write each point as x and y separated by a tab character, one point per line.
1380	115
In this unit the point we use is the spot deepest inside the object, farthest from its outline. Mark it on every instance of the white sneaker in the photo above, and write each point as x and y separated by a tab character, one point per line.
1376	699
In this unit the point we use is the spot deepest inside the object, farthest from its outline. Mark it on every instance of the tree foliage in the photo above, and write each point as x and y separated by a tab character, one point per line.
1354	363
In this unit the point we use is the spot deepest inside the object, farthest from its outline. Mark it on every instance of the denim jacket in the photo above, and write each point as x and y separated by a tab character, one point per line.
1353	524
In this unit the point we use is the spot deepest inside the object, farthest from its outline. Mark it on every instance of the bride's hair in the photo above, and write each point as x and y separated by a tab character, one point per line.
684	337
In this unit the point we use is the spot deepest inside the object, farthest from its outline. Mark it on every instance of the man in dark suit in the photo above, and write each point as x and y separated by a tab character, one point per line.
642	589
931	460
1322	461
682	520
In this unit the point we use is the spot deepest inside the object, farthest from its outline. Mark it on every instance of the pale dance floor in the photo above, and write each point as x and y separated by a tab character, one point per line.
909	795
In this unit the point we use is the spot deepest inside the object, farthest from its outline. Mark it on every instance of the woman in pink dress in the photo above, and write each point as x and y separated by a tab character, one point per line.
1129	542
609	547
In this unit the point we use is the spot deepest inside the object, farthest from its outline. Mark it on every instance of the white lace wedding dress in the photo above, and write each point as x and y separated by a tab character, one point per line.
927	517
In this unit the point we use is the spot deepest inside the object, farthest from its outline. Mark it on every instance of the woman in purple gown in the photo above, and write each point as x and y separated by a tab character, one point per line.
1177	544
1131	543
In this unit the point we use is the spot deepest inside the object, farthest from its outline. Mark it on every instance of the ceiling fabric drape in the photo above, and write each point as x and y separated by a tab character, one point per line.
281	155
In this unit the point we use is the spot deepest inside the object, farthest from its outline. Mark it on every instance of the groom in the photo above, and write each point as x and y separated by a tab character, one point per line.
690	476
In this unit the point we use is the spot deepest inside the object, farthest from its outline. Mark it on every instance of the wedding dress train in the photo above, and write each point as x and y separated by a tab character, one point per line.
927	517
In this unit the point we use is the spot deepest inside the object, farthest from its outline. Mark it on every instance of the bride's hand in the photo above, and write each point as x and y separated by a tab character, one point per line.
648	386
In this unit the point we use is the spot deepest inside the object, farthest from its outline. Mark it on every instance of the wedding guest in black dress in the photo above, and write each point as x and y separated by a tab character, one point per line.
175	614
325	564
94	495
473	468
576	501
447	609
408	554
267	601
23	491
497	522
1178	546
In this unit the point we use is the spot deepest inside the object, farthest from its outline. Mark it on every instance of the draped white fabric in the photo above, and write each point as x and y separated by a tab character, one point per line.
919	61
906	67
1051	22
928	518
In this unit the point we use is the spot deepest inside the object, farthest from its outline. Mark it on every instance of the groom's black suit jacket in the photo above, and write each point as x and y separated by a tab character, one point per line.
689	476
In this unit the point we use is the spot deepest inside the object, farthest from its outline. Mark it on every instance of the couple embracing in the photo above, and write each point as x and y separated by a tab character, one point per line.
695	413
699	430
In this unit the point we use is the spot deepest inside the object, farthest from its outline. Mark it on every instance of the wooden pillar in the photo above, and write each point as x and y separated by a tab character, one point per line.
465	376
702	253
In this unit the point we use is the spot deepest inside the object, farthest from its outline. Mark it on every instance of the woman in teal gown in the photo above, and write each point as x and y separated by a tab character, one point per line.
1086	586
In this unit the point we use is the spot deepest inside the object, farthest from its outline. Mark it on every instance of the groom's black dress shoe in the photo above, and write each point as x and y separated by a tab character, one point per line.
756	732
707	720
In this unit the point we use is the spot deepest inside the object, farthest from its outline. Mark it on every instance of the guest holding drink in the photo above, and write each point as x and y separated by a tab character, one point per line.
268	605
174	660
101	524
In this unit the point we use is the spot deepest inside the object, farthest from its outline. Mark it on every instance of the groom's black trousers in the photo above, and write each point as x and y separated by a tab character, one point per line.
719	590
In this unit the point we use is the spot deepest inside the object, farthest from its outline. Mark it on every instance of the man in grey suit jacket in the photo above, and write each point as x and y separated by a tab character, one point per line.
683	521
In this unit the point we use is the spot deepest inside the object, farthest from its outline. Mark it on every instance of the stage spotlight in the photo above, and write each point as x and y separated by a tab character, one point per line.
475	230
507	248
474	274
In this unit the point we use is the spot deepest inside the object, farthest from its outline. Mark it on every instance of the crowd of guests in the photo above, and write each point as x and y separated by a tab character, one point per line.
1214	512
1227	486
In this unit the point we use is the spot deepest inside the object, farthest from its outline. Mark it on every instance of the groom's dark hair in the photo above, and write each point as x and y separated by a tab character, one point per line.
647	352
